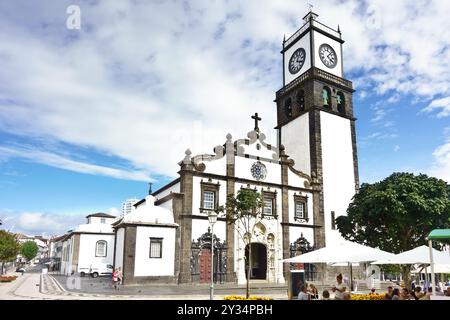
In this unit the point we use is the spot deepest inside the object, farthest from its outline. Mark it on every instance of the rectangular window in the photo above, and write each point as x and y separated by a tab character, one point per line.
268	206
156	247
100	250
102	220
208	200
333	221
301	208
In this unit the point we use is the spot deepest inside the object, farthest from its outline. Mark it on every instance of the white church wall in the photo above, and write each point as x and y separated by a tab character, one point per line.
167	205
320	39
174	188
243	170
263	152
295	138
302	43
146	266
295	180
338	171
87	253
292	206
218	166
119	248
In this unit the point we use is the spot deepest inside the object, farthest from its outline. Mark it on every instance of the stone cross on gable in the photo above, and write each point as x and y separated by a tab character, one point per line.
256	118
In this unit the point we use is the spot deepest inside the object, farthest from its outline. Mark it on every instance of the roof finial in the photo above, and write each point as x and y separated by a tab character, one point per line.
339	28
310	7
150	188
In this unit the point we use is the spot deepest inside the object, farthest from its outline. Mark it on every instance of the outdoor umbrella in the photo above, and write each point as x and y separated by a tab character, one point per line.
342	251
419	255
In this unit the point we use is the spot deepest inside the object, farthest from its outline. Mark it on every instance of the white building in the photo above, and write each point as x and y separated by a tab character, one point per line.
89	245
145	244
127	206
307	178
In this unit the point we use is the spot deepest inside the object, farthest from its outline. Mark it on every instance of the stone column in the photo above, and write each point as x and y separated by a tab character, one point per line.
285	210
229	149
185	219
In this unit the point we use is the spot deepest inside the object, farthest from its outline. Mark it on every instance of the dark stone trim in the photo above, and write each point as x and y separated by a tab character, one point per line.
284	64
169	197
115	246
210	187
100	215
167	186
200	217
312	49
85	232
289	224
272	195
177	207
355	155
248	156
76	251
230	232
252	182
129	251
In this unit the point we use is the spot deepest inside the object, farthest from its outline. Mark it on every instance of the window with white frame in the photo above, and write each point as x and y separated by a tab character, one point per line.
101	248
268	206
156	247
208	200
301	208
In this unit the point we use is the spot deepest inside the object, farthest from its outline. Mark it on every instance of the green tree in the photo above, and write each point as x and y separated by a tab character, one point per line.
245	211
29	250
9	248
397	213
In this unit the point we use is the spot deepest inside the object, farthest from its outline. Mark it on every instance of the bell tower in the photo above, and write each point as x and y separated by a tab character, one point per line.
315	120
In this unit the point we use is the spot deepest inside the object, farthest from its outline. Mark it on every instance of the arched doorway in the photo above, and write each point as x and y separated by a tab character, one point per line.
258	261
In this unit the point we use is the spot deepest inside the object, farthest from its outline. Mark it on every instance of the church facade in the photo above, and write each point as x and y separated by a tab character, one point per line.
307	178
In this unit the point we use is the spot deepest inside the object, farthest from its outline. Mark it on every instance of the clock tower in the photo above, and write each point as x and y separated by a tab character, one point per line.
315	120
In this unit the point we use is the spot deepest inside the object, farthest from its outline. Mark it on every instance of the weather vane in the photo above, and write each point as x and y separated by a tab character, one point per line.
310	6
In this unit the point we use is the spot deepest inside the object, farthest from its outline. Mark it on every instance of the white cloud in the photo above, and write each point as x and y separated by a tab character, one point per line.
58	161
39	223
396	148
439	104
441	167
143	81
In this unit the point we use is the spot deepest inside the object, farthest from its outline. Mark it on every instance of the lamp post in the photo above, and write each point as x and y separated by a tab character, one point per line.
212	218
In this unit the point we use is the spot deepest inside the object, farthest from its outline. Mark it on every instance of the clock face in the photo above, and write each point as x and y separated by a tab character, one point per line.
259	171
297	60
328	56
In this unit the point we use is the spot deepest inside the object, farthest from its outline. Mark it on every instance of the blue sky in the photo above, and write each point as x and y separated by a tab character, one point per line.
88	117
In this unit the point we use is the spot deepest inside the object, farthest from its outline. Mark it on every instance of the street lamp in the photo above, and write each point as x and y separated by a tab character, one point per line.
212	218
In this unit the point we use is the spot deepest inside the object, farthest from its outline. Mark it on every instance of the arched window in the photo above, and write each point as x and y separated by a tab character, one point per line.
288	107
326	97
301	100
340	102
101	248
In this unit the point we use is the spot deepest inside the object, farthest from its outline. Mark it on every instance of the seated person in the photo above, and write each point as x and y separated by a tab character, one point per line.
325	295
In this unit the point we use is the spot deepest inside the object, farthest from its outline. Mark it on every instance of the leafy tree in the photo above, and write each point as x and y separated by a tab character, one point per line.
397	213
29	250
9	248
245	211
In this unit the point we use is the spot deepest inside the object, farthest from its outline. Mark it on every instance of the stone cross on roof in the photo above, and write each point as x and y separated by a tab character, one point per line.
256	118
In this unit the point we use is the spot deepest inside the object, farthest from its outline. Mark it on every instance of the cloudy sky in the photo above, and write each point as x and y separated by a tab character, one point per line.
88	116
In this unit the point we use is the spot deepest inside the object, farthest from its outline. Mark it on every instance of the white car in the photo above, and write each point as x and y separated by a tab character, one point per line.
96	270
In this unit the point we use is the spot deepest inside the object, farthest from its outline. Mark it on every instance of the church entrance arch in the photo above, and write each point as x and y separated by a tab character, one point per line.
258	261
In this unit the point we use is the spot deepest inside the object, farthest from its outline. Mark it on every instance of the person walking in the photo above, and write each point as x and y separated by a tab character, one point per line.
119	277
303	295
115	279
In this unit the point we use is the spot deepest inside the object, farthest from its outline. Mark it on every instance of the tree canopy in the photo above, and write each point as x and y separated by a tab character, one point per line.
397	213
9	247
29	250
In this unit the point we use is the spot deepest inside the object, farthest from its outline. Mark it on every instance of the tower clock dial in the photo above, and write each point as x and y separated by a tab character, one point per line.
328	55
297	60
